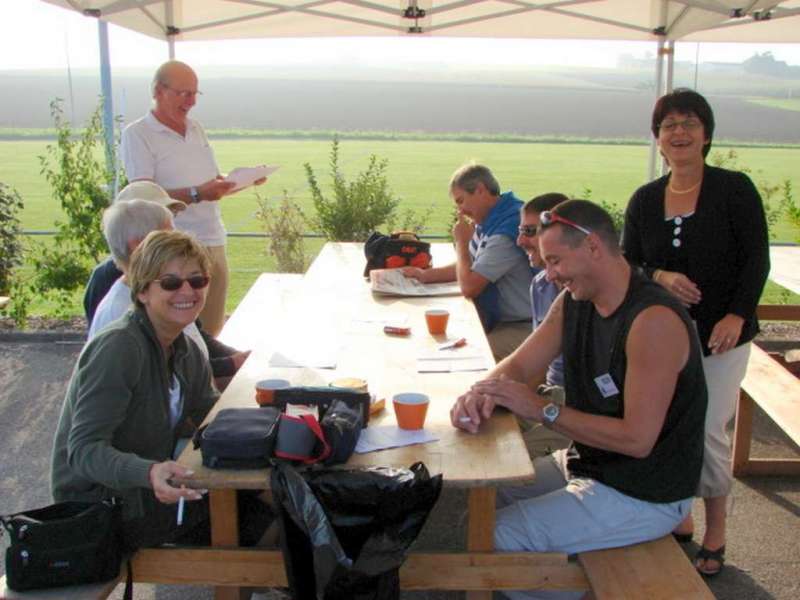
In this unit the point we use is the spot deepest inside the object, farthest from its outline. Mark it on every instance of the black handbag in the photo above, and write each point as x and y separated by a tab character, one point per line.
64	544
239	438
400	249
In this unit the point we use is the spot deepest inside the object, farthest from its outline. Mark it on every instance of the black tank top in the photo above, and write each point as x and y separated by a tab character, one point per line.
595	346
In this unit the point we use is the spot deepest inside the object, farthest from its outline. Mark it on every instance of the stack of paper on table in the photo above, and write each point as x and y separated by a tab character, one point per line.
319	357
448	361
390	436
393	282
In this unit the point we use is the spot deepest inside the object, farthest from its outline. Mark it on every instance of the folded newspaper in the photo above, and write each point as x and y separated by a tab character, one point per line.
393	282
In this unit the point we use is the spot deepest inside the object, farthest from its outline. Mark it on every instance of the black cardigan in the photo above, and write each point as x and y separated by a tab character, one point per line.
728	248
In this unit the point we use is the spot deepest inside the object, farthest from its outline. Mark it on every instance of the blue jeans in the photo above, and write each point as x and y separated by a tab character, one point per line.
562	514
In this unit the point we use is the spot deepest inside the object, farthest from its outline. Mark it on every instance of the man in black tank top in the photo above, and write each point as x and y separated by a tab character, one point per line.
635	400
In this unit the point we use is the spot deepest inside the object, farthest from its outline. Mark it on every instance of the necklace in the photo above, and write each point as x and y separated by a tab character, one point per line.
687	190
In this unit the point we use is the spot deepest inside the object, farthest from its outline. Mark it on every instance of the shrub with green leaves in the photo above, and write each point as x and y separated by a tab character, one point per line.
10	235
358	207
284	226
80	182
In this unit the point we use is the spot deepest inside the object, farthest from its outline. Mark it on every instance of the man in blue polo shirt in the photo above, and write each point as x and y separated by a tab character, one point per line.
489	268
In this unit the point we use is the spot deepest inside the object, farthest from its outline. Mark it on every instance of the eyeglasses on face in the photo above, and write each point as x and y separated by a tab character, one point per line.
185	94
548	218
689	124
527	230
171	283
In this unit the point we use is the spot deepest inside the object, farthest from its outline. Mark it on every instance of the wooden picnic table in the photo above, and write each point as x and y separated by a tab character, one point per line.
334	305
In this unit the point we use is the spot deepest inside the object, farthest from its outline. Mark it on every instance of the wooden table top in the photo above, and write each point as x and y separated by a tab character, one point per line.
334	305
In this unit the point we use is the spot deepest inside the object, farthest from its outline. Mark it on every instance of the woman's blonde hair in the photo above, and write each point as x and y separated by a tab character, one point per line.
155	251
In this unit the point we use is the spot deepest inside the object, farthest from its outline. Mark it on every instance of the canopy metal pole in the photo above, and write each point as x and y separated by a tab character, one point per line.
171	31
670	52
105	84
651	168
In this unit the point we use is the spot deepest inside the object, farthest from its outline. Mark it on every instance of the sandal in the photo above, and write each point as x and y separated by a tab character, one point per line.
683	538
705	555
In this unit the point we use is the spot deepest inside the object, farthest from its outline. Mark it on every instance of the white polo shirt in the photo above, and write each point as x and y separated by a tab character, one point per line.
151	150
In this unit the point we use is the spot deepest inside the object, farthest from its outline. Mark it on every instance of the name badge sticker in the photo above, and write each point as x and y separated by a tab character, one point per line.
606	385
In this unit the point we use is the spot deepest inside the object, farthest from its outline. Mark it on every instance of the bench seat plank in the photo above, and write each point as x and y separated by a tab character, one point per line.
656	570
775	390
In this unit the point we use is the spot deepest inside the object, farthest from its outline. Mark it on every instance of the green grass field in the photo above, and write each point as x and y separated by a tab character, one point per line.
418	173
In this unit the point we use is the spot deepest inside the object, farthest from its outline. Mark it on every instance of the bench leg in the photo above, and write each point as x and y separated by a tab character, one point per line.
480	528
224	532
742	434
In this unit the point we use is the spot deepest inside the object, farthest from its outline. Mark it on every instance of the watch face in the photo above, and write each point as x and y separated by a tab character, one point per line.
550	412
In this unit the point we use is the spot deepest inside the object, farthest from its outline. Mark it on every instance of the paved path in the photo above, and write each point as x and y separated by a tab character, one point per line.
764	527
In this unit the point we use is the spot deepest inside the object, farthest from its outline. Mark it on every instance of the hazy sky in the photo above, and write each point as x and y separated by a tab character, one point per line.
34	34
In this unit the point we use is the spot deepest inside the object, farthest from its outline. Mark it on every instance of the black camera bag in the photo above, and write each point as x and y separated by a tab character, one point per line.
239	438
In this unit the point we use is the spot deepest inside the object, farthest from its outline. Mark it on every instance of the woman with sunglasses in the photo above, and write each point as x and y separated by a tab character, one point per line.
135	386
701	232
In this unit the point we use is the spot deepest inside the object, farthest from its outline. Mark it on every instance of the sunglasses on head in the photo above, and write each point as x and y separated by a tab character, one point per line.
549	217
170	283
527	230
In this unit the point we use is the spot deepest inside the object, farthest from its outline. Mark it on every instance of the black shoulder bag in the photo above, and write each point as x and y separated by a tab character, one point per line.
67	543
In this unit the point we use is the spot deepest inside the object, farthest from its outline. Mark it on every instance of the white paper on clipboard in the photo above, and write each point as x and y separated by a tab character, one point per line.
245	176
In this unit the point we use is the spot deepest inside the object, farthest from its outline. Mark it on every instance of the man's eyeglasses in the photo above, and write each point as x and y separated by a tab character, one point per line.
689	124
171	283
185	94
527	230
548	218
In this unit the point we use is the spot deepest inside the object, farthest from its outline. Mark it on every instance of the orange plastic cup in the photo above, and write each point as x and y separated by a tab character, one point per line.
436	318
265	389
410	409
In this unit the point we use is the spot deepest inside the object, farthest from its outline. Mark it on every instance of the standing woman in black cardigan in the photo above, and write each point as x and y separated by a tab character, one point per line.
700	232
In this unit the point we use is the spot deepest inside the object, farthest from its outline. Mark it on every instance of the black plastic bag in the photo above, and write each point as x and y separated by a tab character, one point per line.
346	532
341	425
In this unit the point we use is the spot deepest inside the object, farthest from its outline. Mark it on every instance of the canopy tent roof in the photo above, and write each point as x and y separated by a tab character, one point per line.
690	20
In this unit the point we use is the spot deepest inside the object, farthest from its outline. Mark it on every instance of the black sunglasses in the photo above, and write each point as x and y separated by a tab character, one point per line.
170	283
527	230
548	217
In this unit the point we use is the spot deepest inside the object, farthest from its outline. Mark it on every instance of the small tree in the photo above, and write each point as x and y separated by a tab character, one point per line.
284	225
768	191
357	208
10	235
80	182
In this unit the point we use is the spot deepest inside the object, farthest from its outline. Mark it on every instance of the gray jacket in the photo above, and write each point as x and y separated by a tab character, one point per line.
115	421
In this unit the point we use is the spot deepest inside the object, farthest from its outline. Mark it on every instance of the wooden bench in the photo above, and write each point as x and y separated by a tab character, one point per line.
93	591
656	570
768	384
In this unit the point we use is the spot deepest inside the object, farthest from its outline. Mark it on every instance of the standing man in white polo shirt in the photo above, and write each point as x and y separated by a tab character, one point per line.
168	147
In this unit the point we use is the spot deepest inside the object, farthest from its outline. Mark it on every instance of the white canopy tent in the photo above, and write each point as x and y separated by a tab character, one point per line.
662	21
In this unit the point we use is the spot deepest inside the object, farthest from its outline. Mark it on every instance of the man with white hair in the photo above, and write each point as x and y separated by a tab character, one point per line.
169	148
125	225
106	273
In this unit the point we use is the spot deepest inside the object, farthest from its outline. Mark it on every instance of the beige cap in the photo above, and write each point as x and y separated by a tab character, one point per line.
148	190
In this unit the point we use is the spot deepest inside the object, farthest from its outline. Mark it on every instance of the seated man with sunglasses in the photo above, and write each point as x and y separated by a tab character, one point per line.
125	224
489	266
635	401
543	291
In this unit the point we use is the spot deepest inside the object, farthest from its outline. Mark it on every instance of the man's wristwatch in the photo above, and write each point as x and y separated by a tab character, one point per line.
550	413
194	195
